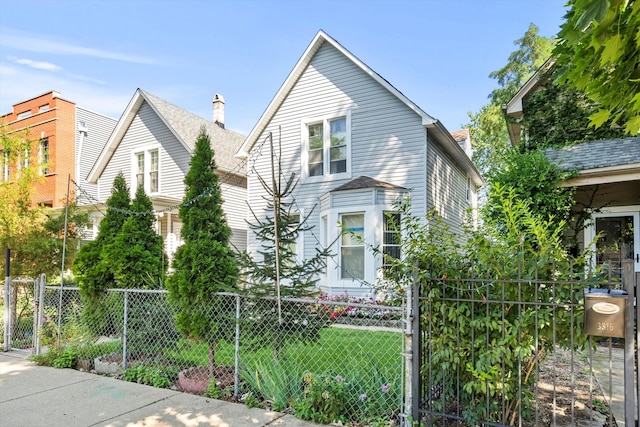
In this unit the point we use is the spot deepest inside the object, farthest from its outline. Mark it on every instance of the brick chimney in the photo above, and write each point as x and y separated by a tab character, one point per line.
218	110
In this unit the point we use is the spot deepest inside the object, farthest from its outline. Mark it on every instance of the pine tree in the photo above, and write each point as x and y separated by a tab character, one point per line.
92	268
205	264
277	272
136	254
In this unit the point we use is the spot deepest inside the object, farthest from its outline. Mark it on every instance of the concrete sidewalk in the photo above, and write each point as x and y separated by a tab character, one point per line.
32	396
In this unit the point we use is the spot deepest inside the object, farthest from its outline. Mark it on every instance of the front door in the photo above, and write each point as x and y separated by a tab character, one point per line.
618	238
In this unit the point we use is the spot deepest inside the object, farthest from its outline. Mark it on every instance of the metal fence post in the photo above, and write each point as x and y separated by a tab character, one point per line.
36	321
629	355
412	353
124	329
43	285
7	301
236	370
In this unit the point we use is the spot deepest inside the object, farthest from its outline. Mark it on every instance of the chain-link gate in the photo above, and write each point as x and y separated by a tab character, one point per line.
20	320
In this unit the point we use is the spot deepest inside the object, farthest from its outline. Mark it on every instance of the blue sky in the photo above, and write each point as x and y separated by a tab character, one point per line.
97	53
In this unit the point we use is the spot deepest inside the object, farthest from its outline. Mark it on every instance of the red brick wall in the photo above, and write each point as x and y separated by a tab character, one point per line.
58	125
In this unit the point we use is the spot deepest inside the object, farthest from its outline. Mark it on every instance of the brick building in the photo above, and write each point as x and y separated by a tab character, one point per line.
65	140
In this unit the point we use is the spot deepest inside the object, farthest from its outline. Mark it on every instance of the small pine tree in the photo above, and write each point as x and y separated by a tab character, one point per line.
92	268
136	254
204	264
276	272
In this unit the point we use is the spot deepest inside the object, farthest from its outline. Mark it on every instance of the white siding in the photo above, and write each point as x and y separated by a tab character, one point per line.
148	130
88	148
388	141
447	188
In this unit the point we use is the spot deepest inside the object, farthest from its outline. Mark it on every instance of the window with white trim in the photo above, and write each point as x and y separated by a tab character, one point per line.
352	246
140	170
153	171
326	146
145	168
390	240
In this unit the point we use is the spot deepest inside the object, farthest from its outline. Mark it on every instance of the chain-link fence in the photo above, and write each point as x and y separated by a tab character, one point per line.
18	313
328	358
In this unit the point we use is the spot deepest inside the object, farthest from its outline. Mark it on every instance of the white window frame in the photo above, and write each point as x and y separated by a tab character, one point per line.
146	176
326	164
360	245
633	211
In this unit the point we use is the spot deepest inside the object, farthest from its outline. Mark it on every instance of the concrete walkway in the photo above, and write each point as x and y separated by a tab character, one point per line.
613	387
32	396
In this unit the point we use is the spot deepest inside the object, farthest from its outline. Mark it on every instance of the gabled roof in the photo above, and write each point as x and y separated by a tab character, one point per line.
514	107
184	125
442	136
608	160
365	182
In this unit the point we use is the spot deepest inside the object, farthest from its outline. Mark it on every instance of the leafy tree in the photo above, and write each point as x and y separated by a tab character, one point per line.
531	178
92	268
558	115
276	271
136	254
488	128
205	264
20	219
598	53
486	336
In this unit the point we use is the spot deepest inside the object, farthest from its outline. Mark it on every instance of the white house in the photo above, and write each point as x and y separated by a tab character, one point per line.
357	145
152	145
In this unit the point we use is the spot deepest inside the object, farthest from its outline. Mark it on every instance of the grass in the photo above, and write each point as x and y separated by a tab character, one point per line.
337	349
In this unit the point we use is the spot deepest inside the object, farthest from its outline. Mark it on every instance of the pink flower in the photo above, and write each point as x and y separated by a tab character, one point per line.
384	388
363	396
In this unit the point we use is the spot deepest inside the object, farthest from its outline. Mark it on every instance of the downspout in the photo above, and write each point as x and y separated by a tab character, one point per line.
82	129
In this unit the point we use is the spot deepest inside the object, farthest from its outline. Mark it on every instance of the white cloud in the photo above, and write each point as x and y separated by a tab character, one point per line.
40	65
44	44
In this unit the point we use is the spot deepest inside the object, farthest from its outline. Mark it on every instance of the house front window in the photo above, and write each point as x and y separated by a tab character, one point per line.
326	146
352	247
5	165
390	240
153	173
145	166
140	170
43	154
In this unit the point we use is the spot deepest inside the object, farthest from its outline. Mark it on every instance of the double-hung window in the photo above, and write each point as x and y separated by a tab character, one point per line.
153	172
43	155
390	240
145	169
352	247
327	146
140	170
5	164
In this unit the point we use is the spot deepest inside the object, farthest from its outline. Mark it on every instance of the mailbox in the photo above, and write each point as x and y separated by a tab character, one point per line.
604	312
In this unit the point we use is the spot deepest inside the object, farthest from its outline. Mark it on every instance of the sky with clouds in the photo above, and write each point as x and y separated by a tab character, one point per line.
96	53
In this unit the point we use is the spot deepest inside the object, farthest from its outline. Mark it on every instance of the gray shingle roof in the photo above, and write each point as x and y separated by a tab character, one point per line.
363	182
187	125
596	154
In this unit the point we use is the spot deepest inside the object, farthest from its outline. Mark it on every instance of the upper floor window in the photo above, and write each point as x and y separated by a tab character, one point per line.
43	108
5	164
145	170
326	146
153	171
24	114
140	170
43	155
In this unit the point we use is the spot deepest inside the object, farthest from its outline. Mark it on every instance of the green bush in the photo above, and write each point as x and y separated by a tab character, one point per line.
160	377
